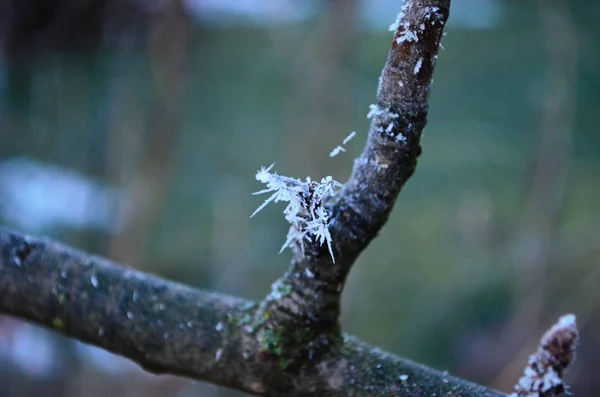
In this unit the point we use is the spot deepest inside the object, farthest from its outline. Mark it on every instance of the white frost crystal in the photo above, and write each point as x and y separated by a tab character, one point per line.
305	210
338	149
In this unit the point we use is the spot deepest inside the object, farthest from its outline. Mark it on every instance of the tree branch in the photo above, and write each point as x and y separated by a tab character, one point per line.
290	344
543	375
309	294
167	327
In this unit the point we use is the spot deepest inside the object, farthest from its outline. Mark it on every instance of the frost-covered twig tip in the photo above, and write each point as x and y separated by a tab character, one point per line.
543	375
305	211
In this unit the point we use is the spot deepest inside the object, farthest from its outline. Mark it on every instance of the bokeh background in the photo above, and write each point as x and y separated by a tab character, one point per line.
133	129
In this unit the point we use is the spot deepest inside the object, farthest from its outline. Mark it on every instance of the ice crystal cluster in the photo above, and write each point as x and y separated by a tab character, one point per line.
305	211
544	371
385	118
340	148
409	33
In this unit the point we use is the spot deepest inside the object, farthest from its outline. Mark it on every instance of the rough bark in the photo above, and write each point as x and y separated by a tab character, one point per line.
167	327
314	283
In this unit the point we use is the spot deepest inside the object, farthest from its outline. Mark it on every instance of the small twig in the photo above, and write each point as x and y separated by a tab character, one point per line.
543	375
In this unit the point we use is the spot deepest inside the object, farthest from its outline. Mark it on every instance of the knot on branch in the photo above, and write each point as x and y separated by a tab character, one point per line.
290	326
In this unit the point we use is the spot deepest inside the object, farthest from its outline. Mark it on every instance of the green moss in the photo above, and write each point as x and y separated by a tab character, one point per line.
303	335
58	324
284	289
272	342
243	318
285	363
292	346
276	340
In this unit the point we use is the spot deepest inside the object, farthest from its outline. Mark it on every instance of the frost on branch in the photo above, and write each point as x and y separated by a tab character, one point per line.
543	375
385	121
305	210
410	33
338	149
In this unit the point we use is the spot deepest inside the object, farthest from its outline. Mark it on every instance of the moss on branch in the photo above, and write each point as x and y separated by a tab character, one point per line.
167	327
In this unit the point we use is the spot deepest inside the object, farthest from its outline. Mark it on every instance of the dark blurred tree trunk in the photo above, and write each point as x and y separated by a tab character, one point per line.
36	28
65	39
68	41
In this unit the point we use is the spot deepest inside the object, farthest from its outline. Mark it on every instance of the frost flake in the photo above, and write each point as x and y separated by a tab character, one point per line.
305	211
418	65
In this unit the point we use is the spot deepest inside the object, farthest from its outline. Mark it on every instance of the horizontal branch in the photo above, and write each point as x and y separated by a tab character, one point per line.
167	327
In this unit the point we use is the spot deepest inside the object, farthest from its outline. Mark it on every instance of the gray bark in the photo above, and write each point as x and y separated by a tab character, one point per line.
167	327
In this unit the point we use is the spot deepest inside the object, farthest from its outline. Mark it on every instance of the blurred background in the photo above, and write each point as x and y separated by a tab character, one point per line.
133	129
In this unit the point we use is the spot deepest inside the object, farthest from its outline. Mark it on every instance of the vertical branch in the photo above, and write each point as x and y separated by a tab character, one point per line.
308	295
